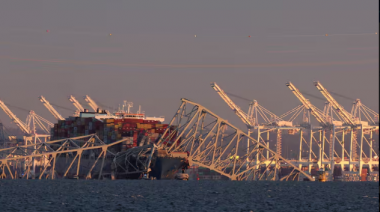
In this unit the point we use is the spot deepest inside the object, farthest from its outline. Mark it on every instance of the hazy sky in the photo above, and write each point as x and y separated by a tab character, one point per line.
153	58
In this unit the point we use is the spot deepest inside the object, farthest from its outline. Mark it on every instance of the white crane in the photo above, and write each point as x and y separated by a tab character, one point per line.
93	105
13	117
51	109
239	112
346	116
308	106
76	104
32	121
249	118
323	121
359	111
349	119
30	127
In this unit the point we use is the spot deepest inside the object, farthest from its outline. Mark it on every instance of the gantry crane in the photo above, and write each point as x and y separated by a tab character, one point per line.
321	118
242	115
76	104
359	111
30	128
93	105
346	116
349	120
308	106
13	117
51	109
251	119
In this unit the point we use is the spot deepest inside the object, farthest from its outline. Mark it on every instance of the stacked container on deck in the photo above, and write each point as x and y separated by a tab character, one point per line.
138	132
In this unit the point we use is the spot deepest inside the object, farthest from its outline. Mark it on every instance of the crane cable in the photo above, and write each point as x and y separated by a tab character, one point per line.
304	93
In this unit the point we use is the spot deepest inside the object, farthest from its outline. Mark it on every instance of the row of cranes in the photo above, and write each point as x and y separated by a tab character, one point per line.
36	127
333	119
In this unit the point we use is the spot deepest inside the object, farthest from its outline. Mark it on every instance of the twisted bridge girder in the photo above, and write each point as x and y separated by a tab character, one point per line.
73	148
199	131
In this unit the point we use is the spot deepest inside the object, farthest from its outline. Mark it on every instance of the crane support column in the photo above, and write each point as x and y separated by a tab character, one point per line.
300	150
361	151
310	149
351	159
342	161
279	142
332	152
249	134
257	146
267	144
370	150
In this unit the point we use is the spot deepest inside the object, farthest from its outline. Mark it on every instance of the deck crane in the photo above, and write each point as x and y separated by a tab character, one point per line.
51	108
13	117
346	116
93	105
76	104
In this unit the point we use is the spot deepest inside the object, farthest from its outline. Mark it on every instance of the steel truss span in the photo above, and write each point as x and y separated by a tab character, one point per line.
213	143
80	157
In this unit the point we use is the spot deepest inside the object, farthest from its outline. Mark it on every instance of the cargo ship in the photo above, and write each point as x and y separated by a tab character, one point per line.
135	128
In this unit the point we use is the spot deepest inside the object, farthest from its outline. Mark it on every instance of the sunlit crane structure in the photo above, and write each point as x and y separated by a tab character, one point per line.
76	104
319	115
93	105
33	123
355	126
51	109
361	113
346	116
271	122
24	128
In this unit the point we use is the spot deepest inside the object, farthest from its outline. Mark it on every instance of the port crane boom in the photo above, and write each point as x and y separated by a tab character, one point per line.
347	118
51	109
243	116
91	103
306	103
76	104
13	117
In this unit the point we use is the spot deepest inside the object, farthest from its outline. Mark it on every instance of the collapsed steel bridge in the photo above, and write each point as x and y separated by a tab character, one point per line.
209	140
